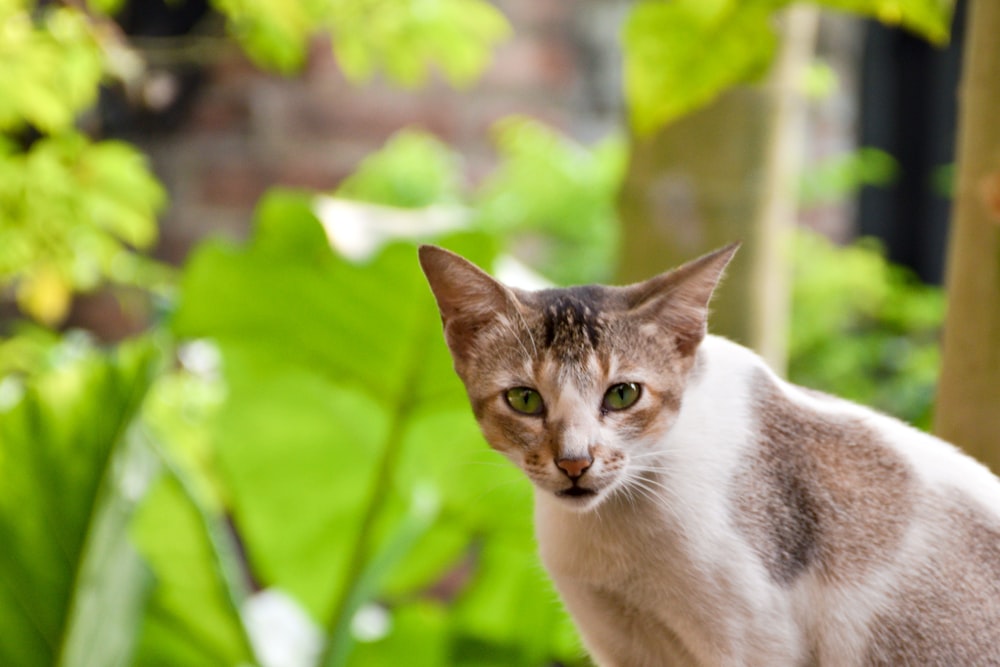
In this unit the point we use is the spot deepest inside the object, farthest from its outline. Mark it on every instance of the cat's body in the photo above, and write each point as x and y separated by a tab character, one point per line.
694	509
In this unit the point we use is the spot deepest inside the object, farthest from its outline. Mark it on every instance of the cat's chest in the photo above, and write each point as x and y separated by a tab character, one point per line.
606	551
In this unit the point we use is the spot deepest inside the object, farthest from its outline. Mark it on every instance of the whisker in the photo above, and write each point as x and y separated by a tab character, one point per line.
527	330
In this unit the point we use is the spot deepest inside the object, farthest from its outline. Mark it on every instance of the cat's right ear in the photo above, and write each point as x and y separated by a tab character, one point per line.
468	298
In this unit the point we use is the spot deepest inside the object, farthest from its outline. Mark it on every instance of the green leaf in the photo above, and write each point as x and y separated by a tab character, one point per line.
49	69
556	197
679	55
338	385
70	585
864	329
417	637
511	591
193	616
412	170
407	39
931	19
71	213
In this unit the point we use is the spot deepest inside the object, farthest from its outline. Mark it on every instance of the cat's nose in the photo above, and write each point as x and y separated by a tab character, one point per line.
575	467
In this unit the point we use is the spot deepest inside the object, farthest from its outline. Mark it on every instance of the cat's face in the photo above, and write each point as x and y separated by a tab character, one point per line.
576	386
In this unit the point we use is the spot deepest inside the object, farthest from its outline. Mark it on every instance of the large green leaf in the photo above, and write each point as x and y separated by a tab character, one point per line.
341	407
70	585
194	613
355	473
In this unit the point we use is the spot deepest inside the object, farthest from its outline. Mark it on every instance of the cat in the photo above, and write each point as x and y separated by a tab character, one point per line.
694	509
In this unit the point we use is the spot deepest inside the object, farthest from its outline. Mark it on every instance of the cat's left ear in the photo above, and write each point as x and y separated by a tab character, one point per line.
468	298
678	299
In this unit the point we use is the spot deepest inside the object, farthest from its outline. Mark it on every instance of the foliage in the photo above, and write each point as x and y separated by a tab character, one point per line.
49	67
71	586
681	54
864	329
360	431
71	210
405	38
841	176
413	169
555	199
549	197
402	38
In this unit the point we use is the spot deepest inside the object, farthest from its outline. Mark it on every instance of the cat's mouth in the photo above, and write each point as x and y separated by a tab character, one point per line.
576	492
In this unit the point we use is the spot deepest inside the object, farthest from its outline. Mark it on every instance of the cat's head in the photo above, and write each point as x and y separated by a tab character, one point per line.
576	386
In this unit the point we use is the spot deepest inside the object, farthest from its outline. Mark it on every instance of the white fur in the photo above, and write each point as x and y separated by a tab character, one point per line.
642	568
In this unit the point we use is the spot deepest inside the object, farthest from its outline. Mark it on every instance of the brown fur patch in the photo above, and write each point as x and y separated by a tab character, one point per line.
946	613
819	492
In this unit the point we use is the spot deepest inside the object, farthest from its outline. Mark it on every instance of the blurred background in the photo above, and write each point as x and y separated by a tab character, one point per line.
229	431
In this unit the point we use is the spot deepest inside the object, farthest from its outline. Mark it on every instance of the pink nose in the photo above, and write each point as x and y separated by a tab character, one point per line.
574	468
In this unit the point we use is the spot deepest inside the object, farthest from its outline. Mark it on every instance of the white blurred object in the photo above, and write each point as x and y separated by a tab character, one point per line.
510	271
357	230
281	632
200	357
371	623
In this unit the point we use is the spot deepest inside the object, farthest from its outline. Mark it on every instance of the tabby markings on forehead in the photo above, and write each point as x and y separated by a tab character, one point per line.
571	323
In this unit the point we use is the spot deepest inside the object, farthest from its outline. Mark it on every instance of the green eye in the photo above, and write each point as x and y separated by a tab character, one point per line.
525	400
621	396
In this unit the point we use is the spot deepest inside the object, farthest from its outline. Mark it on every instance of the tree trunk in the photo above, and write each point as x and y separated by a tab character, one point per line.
968	406
727	172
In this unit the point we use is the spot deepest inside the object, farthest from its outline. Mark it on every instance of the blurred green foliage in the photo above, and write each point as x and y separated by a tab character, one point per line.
345	457
414	169
71	585
549	198
50	65
842	176
400	38
680	55
554	200
863	328
71	210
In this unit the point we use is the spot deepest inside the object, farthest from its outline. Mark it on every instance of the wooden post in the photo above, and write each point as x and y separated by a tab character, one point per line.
968	404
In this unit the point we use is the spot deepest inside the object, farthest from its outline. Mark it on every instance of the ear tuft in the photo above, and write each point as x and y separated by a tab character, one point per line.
679	298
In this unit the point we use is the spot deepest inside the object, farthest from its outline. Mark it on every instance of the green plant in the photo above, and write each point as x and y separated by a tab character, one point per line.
72	587
863	328
549	198
71	210
345	456
680	55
